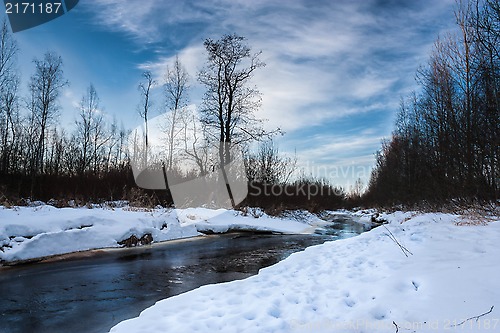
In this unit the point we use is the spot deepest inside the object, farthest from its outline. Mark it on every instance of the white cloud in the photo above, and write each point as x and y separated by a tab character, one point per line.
132	17
191	57
341	158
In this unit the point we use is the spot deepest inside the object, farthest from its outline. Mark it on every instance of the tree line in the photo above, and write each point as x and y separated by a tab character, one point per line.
446	141
34	149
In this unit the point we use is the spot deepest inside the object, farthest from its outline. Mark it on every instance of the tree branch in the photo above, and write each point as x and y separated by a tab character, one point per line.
393	238
474	317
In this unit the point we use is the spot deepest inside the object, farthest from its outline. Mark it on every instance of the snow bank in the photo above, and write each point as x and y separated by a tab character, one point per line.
361	284
222	220
34	232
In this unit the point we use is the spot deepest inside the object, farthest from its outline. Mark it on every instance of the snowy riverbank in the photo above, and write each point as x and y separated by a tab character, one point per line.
27	233
445	281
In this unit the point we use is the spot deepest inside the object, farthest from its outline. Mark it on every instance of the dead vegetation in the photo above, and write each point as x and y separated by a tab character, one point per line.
133	241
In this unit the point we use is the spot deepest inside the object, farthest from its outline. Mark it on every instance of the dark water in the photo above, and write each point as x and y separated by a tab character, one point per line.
94	294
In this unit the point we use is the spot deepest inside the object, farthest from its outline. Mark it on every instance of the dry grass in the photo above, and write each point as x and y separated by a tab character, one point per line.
471	213
138	209
412	215
4	201
139	198
475	218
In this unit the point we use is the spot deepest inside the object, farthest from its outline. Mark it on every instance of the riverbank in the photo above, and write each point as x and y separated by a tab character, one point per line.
430	272
44	232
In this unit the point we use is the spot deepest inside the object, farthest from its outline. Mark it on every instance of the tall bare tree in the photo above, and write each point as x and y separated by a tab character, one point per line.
176	86
56	146
230	100
487	25
196	147
88	123
9	83
8	53
146	102
45	87
463	58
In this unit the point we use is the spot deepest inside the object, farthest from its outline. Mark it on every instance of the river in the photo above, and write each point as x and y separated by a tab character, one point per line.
94	293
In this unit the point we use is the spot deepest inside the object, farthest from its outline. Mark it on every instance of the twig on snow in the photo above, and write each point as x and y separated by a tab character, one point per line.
397	327
474	317
403	249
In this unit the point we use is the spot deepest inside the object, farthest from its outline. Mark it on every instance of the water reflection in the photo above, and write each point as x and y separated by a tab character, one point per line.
341	226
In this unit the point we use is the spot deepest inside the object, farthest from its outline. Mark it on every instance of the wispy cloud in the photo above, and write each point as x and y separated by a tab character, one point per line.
191	57
341	158
326	60
134	18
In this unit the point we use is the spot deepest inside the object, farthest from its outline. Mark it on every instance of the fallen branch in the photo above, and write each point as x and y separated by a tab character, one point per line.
397	327
474	317
403	249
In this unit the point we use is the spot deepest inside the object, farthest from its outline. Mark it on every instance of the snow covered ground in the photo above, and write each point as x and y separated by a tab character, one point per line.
447	280
40	231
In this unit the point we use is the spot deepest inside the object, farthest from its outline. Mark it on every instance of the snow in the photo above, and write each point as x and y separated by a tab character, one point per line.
361	284
222	220
28	233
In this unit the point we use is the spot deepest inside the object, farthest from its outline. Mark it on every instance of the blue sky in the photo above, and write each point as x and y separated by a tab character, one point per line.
335	73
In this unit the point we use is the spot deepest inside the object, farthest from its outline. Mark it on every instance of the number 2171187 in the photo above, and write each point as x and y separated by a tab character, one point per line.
32	8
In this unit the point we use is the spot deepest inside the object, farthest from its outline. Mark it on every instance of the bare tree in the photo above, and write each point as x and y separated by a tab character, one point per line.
463	60
111	144
146	103
45	86
56	148
230	100
121	157
85	126
8	53
356	190
100	137
9	83
486	22
269	166
71	149
196	147
176	86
